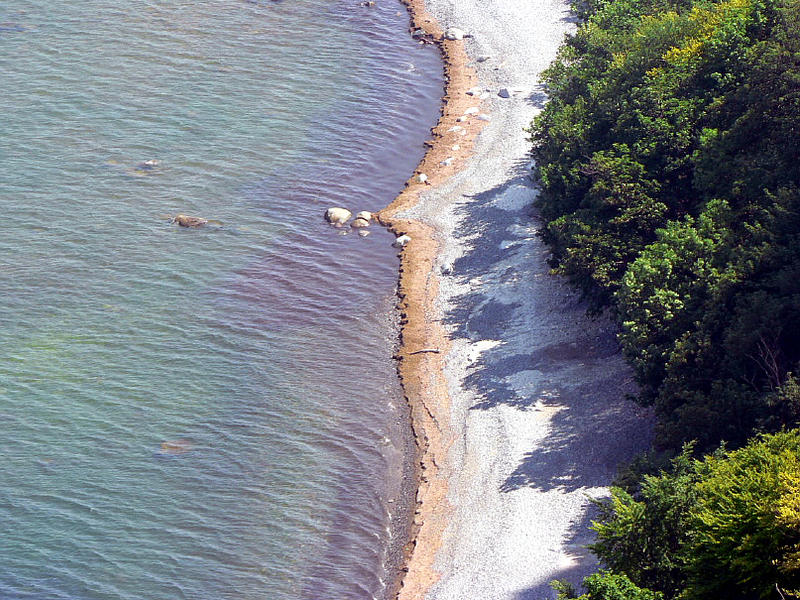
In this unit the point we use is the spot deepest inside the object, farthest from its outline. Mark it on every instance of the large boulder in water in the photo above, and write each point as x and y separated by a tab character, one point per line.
337	215
189	221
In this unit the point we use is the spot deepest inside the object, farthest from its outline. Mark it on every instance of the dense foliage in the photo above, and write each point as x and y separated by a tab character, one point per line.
669	164
727	526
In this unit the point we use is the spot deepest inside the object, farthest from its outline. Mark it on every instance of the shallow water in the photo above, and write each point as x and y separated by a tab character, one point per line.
206	413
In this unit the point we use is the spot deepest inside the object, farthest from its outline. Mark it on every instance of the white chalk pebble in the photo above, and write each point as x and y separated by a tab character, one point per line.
472	110
447	161
422	178
401	241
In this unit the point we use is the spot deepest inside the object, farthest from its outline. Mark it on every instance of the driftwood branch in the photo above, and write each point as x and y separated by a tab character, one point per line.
433	350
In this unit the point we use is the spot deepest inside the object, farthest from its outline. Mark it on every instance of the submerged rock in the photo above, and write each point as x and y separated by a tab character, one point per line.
337	215
359	223
189	221
148	165
175	447
364	214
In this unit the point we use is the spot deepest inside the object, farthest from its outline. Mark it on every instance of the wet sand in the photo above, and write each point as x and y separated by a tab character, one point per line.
517	401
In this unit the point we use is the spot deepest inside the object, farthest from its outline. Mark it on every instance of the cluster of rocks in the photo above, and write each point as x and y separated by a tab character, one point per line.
339	217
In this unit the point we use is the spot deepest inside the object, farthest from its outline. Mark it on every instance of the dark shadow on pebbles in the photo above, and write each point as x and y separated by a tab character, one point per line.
576	541
549	356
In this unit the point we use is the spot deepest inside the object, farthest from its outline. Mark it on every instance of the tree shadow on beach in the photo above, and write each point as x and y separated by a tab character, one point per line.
545	354
581	562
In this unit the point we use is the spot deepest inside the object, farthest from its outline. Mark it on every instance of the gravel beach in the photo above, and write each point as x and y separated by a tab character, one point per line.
534	422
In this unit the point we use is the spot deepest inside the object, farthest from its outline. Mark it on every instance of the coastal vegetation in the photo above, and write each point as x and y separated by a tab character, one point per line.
669	167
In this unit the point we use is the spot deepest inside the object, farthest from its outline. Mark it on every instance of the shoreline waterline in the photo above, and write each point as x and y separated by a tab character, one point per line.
421	374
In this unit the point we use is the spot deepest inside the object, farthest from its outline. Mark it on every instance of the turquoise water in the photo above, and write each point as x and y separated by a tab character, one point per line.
207	413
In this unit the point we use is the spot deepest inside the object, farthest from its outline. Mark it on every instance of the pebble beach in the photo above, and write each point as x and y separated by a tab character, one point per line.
520	418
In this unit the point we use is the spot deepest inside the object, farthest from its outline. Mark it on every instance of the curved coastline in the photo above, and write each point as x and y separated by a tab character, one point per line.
519	417
421	374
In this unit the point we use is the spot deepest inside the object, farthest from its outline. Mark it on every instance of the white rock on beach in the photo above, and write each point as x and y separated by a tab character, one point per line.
422	178
454	33
337	215
401	241
447	161
472	110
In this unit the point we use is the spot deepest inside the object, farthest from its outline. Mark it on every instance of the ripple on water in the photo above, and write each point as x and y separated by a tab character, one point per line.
201	413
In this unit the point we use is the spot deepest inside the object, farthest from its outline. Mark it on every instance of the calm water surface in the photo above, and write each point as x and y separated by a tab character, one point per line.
210	413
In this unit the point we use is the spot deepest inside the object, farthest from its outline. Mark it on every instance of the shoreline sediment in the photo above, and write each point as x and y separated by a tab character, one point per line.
421	374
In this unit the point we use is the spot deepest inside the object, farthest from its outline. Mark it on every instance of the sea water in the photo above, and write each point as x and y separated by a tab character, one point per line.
202	413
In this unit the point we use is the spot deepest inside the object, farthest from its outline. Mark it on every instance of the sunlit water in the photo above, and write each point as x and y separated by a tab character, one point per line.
210	413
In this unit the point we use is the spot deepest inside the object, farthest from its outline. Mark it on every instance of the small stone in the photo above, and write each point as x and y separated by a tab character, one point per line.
337	215
484	117
422	178
363	233
472	110
504	93
447	161
455	128
401	241
418	33
483	58
364	214
462	119
358	223
454	33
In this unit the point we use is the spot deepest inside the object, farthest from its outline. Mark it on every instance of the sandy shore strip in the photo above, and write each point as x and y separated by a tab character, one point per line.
517	398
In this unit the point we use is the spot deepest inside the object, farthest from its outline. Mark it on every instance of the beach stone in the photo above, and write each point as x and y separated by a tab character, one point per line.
483	58
462	119
418	33
364	214
401	241
455	128
504	93
447	161
358	223
484	117
472	110
337	215
454	33
422	178
363	233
